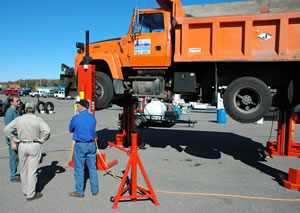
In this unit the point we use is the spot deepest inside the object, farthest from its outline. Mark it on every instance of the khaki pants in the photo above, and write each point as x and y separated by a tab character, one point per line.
29	158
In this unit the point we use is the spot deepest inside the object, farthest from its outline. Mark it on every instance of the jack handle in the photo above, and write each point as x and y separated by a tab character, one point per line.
114	145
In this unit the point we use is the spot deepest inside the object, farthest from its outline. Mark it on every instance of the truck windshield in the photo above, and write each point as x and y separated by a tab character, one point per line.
150	23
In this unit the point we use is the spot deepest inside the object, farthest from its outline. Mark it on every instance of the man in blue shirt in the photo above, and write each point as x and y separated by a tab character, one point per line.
83	126
10	115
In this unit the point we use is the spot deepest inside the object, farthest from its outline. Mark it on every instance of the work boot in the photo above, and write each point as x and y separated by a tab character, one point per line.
36	196
16	180
75	194
95	193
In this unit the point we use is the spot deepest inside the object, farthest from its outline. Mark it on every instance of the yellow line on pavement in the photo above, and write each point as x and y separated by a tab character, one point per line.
58	134
55	154
4	148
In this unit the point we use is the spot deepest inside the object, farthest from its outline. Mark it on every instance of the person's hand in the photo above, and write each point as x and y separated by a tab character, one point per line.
17	141
39	140
13	146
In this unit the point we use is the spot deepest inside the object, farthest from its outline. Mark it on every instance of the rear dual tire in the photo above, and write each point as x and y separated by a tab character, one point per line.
247	99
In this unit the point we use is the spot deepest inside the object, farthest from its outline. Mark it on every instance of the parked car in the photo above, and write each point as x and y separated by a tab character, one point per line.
24	92
48	95
33	94
55	94
61	95
11	91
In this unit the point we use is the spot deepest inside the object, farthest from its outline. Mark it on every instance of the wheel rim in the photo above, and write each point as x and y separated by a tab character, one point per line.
247	100
138	122
99	93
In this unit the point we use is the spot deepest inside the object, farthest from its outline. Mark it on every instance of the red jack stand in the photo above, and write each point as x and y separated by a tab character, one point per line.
285	146
133	162
293	181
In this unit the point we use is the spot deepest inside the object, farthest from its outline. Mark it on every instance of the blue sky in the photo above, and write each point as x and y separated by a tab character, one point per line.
38	35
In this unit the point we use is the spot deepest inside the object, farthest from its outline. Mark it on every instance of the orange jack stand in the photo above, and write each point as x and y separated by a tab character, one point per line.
285	145
293	181
132	187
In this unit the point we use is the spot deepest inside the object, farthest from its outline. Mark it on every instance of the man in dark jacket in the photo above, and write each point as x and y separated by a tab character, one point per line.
12	113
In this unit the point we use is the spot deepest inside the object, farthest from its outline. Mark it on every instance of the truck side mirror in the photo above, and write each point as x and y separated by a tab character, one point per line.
136	27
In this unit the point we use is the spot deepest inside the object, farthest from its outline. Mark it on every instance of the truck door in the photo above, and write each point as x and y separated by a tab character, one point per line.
150	45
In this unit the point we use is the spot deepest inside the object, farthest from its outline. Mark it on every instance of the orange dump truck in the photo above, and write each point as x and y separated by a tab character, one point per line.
252	49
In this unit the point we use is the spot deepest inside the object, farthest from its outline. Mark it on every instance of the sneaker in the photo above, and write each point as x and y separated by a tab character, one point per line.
75	194
95	193
36	196
16	180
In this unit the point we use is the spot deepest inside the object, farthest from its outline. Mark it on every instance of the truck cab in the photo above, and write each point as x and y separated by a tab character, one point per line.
148	43
135	63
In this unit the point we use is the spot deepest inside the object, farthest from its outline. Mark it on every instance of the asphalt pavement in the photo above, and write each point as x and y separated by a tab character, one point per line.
210	167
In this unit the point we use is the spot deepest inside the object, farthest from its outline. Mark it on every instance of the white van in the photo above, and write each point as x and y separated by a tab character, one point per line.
39	92
61	95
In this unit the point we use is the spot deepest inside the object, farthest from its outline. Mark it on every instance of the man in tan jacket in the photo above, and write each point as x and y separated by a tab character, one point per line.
32	132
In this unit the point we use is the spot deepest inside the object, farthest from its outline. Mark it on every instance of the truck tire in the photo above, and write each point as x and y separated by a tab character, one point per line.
104	90
247	99
40	106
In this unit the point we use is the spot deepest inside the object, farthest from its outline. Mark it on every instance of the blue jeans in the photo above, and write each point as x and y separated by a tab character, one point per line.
13	161
85	152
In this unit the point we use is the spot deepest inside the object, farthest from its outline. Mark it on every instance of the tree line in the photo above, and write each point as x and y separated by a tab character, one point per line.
34	83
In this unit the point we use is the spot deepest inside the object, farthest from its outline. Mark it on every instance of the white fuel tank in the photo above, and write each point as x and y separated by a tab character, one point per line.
155	110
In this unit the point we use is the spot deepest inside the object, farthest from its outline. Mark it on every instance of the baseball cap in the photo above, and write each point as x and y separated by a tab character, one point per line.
84	103
29	105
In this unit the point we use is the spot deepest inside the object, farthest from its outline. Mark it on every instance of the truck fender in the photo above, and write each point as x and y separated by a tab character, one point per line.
113	63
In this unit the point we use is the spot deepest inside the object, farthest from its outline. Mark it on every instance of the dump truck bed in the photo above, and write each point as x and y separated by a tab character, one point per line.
250	7
258	37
